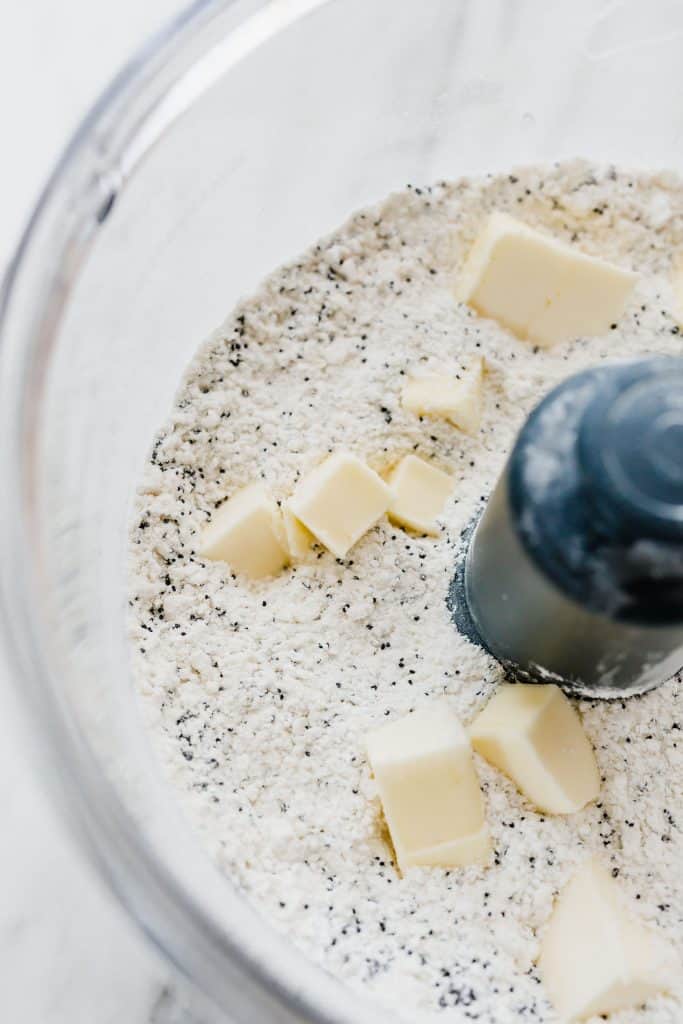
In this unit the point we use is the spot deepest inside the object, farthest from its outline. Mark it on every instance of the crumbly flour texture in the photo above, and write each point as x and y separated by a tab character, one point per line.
258	695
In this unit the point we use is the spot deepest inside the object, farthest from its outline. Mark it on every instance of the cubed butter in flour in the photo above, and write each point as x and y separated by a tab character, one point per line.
538	287
247	533
339	501
429	789
459	400
596	958
420	493
534	735
299	539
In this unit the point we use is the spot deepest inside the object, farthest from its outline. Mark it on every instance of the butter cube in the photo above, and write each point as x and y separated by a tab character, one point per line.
429	789
595	957
247	533
458	400
340	501
534	735
539	288
299	539
420	493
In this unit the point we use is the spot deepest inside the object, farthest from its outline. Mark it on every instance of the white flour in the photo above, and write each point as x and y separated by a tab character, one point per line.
258	695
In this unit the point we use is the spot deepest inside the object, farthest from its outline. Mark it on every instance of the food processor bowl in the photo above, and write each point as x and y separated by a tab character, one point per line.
234	139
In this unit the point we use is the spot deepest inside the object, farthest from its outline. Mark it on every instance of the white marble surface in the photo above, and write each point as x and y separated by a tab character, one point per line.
67	953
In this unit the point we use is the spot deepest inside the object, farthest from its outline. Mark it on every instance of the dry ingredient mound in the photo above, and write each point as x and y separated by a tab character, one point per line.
258	694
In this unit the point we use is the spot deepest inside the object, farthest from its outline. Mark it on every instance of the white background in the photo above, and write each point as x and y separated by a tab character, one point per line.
67	953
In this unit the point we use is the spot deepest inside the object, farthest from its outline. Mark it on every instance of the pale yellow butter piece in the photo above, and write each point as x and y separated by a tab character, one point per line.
420	493
299	539
429	789
539	288
247	533
458	400
339	501
534	735
597	958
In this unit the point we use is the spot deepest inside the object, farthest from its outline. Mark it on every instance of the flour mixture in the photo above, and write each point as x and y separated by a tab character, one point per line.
258	694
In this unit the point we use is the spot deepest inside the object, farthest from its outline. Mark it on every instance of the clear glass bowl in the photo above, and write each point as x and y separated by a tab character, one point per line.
235	138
